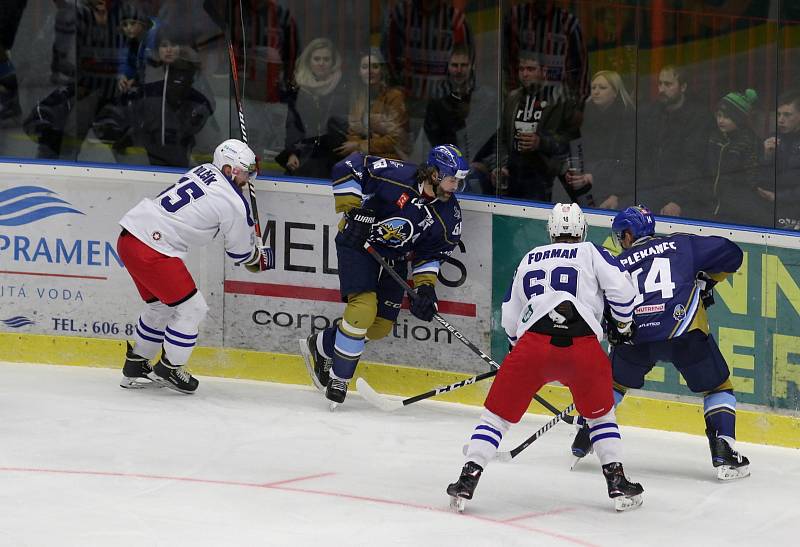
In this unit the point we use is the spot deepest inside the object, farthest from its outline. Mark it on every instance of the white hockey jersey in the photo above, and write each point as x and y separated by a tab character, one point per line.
583	273
192	212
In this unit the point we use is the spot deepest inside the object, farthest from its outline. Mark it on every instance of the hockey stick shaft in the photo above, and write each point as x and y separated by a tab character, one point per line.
451	387
542	430
243	131
488	360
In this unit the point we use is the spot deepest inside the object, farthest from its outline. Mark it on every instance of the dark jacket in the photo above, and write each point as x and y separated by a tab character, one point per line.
609	148
671	155
315	126
781	173
532	171
731	169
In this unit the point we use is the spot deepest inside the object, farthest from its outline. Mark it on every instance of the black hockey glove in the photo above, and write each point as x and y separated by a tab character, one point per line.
618	332
423	306
358	223
706	286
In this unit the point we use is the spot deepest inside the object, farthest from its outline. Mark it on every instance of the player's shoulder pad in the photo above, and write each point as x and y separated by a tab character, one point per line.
351	165
607	256
390	169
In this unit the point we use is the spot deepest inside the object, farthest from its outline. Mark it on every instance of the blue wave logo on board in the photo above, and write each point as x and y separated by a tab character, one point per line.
17	322
26	204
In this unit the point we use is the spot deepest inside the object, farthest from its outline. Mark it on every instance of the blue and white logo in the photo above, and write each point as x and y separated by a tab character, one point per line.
17	322
27	204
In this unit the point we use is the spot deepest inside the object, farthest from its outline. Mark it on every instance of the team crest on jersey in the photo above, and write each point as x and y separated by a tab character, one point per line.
392	232
156	236
679	312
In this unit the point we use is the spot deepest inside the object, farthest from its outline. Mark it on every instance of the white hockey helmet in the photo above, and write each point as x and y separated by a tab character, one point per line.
566	219
238	155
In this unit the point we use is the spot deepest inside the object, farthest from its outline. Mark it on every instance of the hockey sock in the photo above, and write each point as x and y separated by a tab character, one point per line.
180	334
605	437
486	437
348	346
149	334
719	410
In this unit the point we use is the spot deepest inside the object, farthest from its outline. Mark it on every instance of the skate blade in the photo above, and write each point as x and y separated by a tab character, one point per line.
457	504
626	503
333	406
139	383
166	383
729	473
309	364
574	463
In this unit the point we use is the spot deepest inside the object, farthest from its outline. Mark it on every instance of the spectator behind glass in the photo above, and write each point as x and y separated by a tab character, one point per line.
10	110
465	117
60	121
316	124
731	165
417	39
272	45
134	25
534	136
672	136
782	164
607	139
555	34
378	121
167	114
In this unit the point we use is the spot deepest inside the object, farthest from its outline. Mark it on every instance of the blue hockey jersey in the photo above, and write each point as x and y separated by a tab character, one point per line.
664	269
405	220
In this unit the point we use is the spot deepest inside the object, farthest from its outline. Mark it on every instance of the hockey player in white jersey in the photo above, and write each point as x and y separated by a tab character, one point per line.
157	235
551	315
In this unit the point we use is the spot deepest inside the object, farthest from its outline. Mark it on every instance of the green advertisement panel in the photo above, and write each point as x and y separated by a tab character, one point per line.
756	319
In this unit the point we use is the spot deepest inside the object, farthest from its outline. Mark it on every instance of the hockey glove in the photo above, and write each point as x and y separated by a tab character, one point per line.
358	223
619	332
254	264
706	286
423	305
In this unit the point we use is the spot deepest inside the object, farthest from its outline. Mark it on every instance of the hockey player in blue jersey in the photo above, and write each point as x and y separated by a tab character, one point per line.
675	275
403	210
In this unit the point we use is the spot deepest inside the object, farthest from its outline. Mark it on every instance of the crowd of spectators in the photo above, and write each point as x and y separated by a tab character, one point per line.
138	78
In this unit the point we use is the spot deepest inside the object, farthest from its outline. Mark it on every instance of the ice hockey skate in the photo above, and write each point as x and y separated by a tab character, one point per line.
463	489
136	372
581	445
174	377
626	495
317	365
730	464
336	391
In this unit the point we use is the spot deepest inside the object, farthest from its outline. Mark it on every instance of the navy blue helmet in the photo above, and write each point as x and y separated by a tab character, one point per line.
637	219
450	162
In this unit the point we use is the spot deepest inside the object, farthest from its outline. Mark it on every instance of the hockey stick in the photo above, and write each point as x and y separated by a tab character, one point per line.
488	360
242	126
390	405
508	456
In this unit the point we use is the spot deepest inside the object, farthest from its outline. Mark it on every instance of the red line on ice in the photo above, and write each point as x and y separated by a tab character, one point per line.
277	486
540	514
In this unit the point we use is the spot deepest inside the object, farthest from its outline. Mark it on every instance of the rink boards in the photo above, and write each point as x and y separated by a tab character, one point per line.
66	298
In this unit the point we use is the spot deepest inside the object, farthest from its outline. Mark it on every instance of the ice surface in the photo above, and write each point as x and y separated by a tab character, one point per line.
84	462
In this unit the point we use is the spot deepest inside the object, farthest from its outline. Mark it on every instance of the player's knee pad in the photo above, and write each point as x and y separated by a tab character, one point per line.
495	421
380	328
180	334
188	314
360	311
